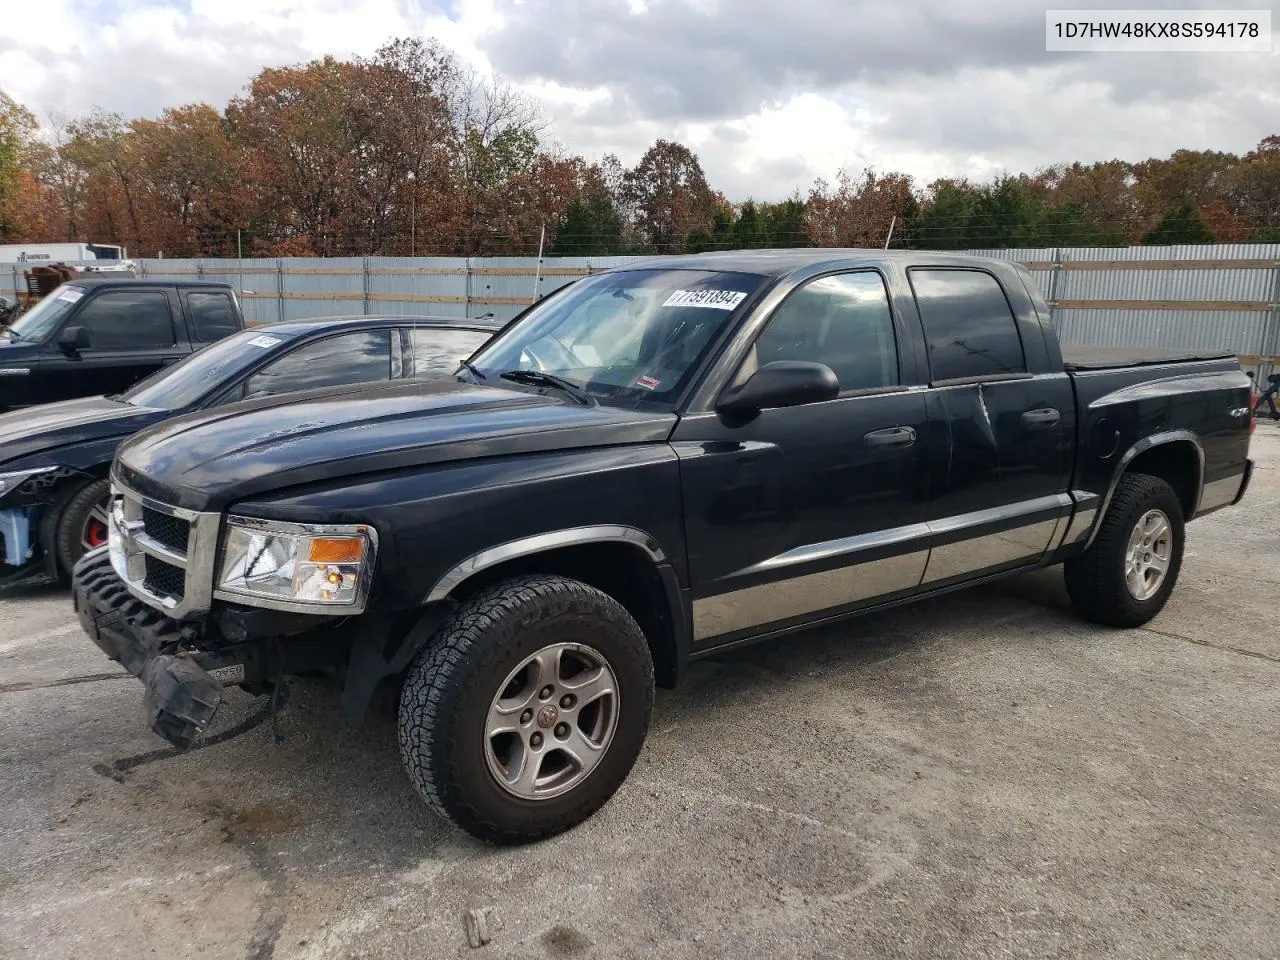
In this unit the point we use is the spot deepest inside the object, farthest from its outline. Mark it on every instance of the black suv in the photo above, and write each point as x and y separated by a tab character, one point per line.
94	337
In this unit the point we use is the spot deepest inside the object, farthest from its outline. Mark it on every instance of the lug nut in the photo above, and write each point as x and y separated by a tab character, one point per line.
526	716
562	730
546	692
536	740
567	701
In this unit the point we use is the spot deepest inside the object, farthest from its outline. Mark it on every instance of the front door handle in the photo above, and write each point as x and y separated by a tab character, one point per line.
1046	417
890	437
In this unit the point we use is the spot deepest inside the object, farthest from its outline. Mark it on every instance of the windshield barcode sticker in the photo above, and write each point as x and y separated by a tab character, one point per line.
715	299
71	295
263	342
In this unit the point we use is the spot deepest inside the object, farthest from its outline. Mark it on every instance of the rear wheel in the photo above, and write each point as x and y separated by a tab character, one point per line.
1127	574
82	524
528	709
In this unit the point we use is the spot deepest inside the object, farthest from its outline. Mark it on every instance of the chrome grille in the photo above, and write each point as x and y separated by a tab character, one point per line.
163	554
169	530
163	579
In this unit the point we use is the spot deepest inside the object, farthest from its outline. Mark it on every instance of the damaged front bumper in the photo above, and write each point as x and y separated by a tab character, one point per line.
183	685
185	664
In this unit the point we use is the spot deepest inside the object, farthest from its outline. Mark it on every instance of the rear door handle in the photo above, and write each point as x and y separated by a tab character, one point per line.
890	437
1045	417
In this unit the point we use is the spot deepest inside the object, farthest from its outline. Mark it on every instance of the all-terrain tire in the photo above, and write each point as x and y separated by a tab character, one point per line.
71	518
454	680
1096	579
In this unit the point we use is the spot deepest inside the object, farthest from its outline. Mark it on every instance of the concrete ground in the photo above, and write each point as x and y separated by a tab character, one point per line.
981	775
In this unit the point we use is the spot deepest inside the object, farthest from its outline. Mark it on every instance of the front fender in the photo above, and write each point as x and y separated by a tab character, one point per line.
433	521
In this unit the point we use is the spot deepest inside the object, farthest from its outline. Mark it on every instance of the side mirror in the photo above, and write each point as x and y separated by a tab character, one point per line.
783	383
73	339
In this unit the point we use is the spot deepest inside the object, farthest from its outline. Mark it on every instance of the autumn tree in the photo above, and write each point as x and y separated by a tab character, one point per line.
66	177
24	201
102	144
592	224
858	210
1253	191
669	196
303	139
410	167
411	151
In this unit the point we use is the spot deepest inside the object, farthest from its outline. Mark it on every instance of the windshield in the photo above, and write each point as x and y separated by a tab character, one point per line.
635	335
182	384
36	324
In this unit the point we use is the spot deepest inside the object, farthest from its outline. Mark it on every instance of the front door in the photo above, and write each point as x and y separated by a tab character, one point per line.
810	510
131	335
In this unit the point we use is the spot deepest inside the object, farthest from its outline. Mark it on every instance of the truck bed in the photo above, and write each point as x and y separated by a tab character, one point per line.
1106	358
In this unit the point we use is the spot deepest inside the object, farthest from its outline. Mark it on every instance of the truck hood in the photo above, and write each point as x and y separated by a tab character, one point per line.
207	460
34	430
16	351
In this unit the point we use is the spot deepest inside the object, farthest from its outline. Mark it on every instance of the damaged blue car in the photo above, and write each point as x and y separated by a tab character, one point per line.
54	458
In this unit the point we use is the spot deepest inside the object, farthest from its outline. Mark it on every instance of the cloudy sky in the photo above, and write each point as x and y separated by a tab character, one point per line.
771	93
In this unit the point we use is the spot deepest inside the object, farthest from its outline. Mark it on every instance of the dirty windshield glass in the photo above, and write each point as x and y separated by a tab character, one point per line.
36	324
633	336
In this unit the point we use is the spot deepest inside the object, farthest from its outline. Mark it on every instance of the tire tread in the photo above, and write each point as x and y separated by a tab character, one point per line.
451	663
1096	592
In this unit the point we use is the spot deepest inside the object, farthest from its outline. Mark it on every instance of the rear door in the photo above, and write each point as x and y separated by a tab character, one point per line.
131	335
435	352
1010	421
810	510
211	315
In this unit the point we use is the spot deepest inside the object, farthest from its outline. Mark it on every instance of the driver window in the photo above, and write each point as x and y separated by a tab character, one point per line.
843	321
125	319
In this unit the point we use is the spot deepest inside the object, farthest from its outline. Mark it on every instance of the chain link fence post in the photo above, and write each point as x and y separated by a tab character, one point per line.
279	289
1053	288
368	280
466	310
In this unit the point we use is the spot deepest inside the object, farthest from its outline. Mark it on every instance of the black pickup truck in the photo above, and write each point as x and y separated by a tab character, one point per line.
95	337
652	465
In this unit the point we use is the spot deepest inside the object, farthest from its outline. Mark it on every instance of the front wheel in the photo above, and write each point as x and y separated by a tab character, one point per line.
528	709
1127	574
81	525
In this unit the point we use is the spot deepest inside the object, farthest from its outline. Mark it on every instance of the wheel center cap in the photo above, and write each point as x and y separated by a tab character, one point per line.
548	716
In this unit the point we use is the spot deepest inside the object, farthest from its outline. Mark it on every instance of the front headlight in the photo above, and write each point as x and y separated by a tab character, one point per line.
12	481
296	565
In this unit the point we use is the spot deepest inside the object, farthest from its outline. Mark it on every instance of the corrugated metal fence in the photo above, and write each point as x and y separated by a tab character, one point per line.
1222	297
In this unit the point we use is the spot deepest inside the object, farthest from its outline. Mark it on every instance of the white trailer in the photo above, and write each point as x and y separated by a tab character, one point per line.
36	254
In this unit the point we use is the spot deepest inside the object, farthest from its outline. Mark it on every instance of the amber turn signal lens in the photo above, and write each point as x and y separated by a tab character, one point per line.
336	550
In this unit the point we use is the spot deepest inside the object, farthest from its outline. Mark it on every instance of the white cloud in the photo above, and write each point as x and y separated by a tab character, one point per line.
770	95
